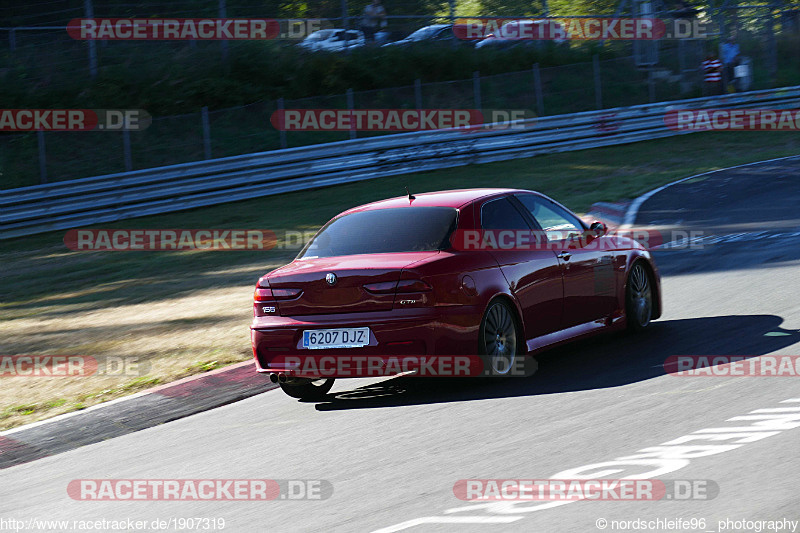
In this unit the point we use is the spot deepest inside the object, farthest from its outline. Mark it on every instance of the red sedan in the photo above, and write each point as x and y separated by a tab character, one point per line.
494	273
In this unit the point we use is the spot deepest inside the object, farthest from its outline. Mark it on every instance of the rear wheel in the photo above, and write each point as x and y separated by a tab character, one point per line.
498	337
638	298
307	389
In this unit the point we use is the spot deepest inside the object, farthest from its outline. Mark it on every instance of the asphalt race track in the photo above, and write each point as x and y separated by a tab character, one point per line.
393	448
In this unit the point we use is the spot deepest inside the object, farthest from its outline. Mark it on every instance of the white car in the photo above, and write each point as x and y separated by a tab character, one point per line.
336	40
333	40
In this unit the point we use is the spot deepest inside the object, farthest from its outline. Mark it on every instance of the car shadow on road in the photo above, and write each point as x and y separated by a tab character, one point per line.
600	362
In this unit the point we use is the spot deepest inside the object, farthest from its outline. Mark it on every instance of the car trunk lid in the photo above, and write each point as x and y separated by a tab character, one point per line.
346	293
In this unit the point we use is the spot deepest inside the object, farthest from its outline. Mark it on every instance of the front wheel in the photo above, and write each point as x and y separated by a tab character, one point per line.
307	389
638	298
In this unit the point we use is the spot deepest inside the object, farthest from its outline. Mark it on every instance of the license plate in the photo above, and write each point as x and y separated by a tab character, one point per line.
318	339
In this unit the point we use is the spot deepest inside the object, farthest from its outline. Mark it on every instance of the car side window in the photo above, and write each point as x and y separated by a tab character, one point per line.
501	214
557	222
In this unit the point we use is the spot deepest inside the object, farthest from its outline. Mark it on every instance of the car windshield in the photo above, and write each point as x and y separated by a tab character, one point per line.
408	229
424	33
319	35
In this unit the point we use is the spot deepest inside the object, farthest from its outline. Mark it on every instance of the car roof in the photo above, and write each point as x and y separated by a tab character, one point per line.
455	198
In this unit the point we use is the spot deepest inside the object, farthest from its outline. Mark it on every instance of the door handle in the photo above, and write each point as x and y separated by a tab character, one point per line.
564	255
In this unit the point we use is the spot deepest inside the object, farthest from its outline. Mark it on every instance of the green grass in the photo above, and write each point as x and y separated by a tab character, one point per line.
576	178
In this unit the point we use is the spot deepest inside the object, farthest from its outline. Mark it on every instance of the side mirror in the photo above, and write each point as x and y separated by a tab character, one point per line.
598	228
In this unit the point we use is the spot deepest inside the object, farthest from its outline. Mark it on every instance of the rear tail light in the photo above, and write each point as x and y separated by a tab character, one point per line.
412	285
402	286
263	295
386	287
268	295
286	294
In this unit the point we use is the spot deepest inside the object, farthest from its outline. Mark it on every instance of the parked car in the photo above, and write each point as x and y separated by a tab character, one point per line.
435	32
333	40
393	277
520	32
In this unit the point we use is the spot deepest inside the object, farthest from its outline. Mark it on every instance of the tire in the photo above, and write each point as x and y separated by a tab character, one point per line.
308	389
498	339
638	297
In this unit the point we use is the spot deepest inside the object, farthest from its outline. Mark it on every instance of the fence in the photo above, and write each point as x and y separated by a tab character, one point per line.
100	199
44	29
39	52
28	159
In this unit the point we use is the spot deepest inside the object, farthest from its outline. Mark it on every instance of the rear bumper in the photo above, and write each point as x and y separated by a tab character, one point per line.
451	330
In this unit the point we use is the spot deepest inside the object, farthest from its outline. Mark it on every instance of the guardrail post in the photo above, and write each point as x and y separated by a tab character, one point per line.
206	132
476	87
651	86
350	106
537	89
126	148
12	39
282	130
42	157
87	5
418	93
598	91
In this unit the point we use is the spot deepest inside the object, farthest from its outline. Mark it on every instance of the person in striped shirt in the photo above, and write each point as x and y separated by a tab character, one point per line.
712	76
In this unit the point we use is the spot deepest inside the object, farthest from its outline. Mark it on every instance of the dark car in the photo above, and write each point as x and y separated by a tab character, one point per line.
435	33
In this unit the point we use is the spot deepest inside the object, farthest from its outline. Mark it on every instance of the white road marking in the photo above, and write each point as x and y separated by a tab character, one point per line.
668	457
633	209
449	520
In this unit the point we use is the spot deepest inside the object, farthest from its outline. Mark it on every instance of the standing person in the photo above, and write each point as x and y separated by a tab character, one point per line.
730	59
373	18
712	76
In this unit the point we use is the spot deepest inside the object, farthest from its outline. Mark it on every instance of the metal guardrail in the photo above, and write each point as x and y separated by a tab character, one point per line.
108	198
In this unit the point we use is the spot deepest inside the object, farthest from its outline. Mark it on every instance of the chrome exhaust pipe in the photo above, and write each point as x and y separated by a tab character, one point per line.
273	377
282	377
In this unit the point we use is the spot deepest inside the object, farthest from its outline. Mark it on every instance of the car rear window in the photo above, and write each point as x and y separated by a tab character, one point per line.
408	229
